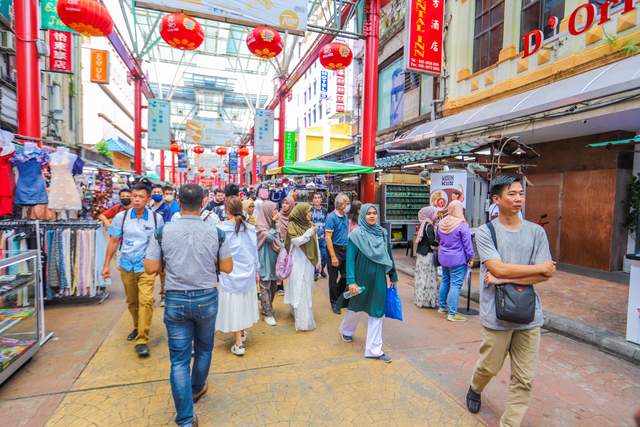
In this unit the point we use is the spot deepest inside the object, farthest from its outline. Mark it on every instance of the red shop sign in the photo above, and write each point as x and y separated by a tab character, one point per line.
532	41
424	32
60	51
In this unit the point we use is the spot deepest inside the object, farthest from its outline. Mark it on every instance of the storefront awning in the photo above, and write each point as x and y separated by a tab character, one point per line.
618	77
450	150
635	140
320	167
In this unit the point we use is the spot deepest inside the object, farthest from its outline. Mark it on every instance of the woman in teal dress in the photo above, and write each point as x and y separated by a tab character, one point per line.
369	263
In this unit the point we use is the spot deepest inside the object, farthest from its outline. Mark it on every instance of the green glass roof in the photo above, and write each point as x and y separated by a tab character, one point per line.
441	152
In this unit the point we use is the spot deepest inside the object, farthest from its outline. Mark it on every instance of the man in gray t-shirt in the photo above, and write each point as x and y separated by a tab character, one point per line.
522	257
191	250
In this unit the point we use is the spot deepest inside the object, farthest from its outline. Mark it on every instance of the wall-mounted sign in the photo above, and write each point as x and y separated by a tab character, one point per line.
289	147
159	124
424	36
183	161
49	18
233	163
60	51
6	12
285	15
447	187
324	84
209	132
263	133
339	95
99	66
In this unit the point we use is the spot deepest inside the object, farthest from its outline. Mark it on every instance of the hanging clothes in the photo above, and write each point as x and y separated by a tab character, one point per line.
31	189
63	193
7	186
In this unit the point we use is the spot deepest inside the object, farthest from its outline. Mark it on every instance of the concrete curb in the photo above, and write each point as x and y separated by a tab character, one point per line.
599	338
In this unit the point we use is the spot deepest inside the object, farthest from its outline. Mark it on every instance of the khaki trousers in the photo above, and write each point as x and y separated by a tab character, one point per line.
522	348
138	287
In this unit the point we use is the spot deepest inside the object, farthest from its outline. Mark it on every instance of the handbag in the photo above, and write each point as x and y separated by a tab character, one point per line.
514	303
393	306
284	263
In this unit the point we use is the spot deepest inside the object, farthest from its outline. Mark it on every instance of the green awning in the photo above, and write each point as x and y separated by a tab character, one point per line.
635	140
320	167
444	151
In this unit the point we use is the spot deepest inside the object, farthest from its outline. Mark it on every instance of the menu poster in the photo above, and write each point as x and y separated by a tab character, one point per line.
446	187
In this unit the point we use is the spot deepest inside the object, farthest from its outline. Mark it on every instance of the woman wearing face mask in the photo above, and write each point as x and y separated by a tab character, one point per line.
269	245
125	200
249	207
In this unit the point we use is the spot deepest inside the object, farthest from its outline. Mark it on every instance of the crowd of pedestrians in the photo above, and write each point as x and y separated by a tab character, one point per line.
223	261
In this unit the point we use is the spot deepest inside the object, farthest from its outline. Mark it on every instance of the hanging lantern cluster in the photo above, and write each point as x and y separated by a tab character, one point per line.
201	169
336	56
221	151
198	149
214	170
181	31
264	42
243	151
86	17
175	148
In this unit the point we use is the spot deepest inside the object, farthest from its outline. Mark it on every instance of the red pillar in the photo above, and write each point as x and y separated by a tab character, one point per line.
281	125
241	171
173	167
161	165
254	165
137	125
370	107
27	68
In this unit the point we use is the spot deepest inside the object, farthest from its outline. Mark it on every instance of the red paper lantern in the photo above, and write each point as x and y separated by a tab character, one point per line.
214	170
175	148
243	151
285	180
201	169
181	31
336	56
198	149
226	170
221	151
87	17
264	42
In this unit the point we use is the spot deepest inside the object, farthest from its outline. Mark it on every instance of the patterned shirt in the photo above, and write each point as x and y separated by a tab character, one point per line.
319	218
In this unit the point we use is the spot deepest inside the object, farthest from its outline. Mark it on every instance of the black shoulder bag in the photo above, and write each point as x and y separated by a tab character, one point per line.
514	303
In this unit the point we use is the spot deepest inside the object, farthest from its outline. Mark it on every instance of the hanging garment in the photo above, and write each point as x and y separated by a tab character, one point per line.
63	193
7	185
99	250
31	189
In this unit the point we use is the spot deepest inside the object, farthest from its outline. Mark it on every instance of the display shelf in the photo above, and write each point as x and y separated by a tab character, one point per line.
8	288
402	202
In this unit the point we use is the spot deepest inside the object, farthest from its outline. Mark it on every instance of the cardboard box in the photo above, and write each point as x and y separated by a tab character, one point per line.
398	178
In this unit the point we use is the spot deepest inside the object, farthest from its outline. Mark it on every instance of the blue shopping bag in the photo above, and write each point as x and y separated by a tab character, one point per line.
393	306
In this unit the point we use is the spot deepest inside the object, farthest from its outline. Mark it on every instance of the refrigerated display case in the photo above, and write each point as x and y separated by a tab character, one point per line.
21	310
400	206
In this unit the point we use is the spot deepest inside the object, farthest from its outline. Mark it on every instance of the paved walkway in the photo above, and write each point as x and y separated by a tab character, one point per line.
293	378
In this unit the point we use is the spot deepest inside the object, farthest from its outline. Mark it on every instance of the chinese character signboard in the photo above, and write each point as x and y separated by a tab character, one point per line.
233	163
263	133
159	136
424	32
60	51
289	148
99	66
49	16
339	93
324	84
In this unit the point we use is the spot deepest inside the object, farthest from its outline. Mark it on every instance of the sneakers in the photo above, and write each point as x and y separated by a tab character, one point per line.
442	310
142	350
270	320
316	277
238	350
473	401
202	392
383	357
244	336
456	318
132	336
280	292
346	338
323	274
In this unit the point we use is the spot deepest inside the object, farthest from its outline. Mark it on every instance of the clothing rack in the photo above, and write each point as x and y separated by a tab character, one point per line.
39	227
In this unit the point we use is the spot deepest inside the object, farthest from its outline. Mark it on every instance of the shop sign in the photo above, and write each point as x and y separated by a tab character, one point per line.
233	163
285	15
289	147
339	95
49	18
580	21
258	167
99	66
444	186
263	133
183	161
209	132
324	84
6	12
159	124
424	36
60	51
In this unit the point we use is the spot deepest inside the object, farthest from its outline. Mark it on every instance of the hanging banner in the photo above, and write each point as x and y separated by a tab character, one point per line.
209	161
233	163
447	187
49	18
99	66
263	133
289	148
424	36
284	15
60	51
183	161
159	124
210	132
324	84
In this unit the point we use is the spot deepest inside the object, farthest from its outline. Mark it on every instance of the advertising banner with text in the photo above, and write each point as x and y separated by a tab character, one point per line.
424	36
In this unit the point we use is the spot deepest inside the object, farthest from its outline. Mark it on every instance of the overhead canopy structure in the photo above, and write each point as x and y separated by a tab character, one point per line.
450	150
320	167
635	140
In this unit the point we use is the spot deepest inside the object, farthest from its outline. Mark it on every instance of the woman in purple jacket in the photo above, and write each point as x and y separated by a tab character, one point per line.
455	254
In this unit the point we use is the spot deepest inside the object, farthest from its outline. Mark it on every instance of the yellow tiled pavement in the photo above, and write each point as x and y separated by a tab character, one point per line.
286	378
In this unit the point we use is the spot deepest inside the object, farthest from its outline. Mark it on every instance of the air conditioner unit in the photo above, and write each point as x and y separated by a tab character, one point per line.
7	40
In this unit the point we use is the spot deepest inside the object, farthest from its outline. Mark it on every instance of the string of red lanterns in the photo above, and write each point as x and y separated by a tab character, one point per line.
198	149
335	56
174	148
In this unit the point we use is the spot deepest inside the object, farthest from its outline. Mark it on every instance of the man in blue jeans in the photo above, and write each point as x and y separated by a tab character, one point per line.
190	250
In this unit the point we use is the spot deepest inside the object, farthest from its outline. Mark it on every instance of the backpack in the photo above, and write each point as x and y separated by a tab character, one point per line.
158	234
284	263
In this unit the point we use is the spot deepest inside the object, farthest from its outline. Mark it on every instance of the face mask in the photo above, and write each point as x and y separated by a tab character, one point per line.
156	197
347	209
125	202
168	198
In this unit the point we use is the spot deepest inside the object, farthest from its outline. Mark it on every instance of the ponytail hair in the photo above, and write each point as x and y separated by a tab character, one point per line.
233	206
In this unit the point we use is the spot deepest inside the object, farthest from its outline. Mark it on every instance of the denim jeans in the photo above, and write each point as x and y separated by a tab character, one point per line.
190	318
324	252
452	280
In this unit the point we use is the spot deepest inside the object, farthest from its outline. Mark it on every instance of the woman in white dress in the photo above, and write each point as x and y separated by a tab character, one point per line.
302	242
238	302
